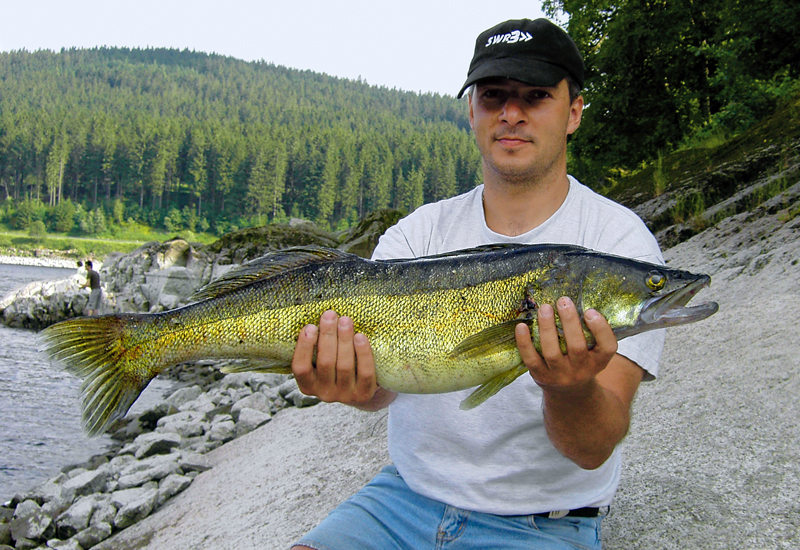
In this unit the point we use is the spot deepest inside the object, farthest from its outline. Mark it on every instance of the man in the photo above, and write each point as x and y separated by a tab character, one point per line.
93	282
537	465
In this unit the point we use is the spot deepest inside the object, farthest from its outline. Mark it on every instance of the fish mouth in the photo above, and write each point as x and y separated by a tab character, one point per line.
671	310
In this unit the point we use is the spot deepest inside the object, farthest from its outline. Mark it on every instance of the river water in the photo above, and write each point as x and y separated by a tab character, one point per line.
40	415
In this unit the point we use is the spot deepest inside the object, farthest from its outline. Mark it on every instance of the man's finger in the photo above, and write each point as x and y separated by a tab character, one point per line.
302	366
605	340
366	380
548	335
345	356
572	327
327	349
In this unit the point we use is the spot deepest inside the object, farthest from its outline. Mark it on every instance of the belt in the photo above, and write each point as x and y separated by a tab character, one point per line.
578	512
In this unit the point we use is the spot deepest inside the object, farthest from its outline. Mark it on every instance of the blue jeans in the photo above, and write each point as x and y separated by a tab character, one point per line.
386	514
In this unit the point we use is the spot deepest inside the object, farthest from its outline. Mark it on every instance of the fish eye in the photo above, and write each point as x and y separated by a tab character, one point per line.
655	280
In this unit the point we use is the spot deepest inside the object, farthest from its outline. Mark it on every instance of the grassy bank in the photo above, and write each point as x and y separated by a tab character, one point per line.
22	243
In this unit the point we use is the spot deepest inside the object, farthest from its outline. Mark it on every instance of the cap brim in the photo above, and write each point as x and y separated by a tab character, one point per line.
533	72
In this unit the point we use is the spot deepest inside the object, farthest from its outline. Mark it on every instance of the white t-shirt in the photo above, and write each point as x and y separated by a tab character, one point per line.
497	458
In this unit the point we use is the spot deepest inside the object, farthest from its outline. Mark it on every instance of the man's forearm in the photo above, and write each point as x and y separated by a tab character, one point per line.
585	424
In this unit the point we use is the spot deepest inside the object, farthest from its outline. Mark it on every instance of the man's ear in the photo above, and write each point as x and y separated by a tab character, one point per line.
471	117
575	115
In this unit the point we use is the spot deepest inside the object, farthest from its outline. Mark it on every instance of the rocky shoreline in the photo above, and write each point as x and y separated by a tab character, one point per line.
156	454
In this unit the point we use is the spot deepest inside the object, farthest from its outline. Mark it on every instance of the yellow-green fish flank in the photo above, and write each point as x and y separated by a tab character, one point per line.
436	324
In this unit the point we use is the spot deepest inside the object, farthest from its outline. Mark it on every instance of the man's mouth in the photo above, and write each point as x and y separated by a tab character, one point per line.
512	140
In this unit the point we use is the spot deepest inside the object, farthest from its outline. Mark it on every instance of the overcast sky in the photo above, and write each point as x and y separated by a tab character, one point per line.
414	45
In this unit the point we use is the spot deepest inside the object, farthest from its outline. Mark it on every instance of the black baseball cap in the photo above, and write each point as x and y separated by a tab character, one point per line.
536	52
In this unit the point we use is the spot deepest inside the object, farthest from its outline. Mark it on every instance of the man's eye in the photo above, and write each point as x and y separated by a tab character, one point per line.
538	95
494	95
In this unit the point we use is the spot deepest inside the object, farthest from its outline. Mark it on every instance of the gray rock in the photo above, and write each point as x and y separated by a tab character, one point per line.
121	460
56	506
93	535
193	462
202	404
153	468
25	544
250	419
185	423
123	497
171	486
105	513
257	401
235	380
240	393
149	418
86	483
76	517
299	399
69	544
170	287
73	472
156	443
184	395
222	428
137	509
287	387
48	490
5	535
29	522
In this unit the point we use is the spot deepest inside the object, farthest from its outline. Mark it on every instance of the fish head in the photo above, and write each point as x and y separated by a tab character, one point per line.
637	296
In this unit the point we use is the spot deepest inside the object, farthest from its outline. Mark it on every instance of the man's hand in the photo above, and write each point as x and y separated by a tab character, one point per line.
554	369
587	393
345	369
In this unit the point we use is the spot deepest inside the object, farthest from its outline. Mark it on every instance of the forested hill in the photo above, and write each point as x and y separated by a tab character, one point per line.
154	131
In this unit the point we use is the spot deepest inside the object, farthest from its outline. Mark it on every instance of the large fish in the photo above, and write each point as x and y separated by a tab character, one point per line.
436	324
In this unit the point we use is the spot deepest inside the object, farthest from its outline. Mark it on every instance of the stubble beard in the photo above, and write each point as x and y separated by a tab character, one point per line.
529	175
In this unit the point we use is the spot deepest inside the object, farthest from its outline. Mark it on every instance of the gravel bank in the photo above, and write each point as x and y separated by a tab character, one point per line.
39	262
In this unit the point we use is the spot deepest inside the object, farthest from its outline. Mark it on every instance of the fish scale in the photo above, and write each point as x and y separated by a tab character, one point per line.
436	324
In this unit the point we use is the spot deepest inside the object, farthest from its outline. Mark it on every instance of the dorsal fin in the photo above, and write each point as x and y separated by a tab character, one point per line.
465	251
563	248
268	266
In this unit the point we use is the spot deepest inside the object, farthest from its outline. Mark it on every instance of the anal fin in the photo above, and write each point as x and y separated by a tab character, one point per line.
258	365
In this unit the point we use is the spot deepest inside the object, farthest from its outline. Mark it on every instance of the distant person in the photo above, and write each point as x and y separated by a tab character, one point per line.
80	274
93	282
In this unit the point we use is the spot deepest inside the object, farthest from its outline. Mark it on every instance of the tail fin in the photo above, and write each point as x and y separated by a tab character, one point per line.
93	348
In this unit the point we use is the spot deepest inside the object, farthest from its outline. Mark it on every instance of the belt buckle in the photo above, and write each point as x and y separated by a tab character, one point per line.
558	514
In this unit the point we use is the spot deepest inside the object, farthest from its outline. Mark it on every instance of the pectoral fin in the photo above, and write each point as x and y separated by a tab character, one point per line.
486	340
491	387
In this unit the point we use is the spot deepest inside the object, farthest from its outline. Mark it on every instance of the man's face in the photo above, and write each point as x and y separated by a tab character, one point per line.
521	130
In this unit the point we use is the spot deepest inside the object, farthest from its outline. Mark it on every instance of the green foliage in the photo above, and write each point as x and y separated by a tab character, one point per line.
27	212
663	73
142	133
64	216
118	210
690	209
94	222
173	220
37	230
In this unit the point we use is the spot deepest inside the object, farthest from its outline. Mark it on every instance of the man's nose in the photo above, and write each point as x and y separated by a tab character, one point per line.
513	111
